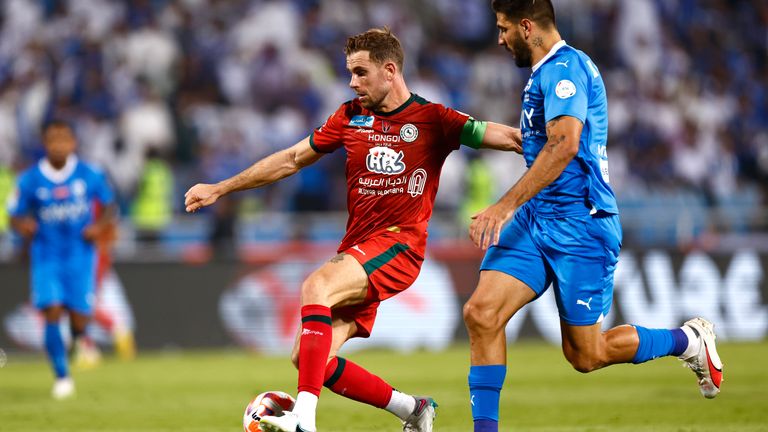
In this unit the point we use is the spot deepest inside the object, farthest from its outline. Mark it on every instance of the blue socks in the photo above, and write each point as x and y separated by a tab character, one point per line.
656	343
57	352
681	341
485	384
483	425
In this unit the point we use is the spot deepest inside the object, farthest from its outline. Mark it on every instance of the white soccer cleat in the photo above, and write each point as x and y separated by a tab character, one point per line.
63	388
706	363
288	422
422	417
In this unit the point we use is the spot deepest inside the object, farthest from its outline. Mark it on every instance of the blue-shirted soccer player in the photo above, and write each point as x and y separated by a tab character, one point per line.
563	226
53	207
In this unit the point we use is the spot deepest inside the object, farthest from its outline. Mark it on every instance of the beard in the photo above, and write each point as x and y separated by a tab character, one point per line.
370	102
522	53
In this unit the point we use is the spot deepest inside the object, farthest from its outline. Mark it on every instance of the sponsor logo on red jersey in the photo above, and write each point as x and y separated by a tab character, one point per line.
383	160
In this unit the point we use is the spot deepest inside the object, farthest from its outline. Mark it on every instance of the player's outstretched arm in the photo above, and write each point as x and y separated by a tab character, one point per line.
563	134
502	137
268	170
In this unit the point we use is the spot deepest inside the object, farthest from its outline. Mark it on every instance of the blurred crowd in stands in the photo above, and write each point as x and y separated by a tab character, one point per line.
164	94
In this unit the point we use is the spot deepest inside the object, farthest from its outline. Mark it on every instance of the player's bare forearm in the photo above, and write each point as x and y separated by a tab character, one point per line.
272	168
502	137
104	223
266	171
25	226
108	215
563	134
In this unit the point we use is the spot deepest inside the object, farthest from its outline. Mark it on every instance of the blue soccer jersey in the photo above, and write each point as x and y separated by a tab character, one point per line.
567	83
569	234
62	203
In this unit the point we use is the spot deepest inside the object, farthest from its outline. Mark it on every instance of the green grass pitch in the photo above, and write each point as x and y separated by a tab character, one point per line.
207	391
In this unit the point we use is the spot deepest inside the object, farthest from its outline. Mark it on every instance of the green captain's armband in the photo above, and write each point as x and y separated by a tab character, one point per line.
473	133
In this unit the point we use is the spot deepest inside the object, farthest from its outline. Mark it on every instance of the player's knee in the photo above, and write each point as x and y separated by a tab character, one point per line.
313	290
480	318
583	365
53	314
584	362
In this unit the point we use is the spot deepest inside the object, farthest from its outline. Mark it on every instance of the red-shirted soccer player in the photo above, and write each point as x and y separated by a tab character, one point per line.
396	143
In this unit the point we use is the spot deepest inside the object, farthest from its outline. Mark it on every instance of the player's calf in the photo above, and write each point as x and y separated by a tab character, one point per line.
348	379
588	354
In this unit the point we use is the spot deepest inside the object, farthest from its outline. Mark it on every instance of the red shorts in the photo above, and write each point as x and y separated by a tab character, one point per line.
392	266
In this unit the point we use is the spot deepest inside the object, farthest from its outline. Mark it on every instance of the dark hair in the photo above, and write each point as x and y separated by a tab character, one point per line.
381	45
56	123
539	11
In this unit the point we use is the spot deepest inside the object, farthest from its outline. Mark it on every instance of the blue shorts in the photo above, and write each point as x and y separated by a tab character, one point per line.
67	284
577	255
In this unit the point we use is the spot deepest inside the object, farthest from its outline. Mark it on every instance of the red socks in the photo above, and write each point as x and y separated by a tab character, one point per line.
339	375
350	380
314	346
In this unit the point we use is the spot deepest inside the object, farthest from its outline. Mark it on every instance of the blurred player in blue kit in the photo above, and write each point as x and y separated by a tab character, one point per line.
559	225
53	207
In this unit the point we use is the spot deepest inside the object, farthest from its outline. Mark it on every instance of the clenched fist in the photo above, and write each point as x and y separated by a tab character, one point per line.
201	195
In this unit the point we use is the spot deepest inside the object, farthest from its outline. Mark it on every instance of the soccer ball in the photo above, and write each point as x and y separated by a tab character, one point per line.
271	403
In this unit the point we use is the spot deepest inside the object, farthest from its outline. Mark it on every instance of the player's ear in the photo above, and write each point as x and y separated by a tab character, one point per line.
526	26
391	70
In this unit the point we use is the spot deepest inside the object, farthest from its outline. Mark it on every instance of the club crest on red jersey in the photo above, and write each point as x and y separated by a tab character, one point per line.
409	132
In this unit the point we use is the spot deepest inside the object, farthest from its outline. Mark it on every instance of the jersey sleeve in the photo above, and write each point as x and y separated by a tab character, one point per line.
460	128
565	89
327	137
19	202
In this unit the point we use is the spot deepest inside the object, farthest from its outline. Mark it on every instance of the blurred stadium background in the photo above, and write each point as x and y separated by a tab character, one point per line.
164	94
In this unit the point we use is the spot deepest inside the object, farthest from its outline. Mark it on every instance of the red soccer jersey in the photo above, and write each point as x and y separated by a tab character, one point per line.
393	164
